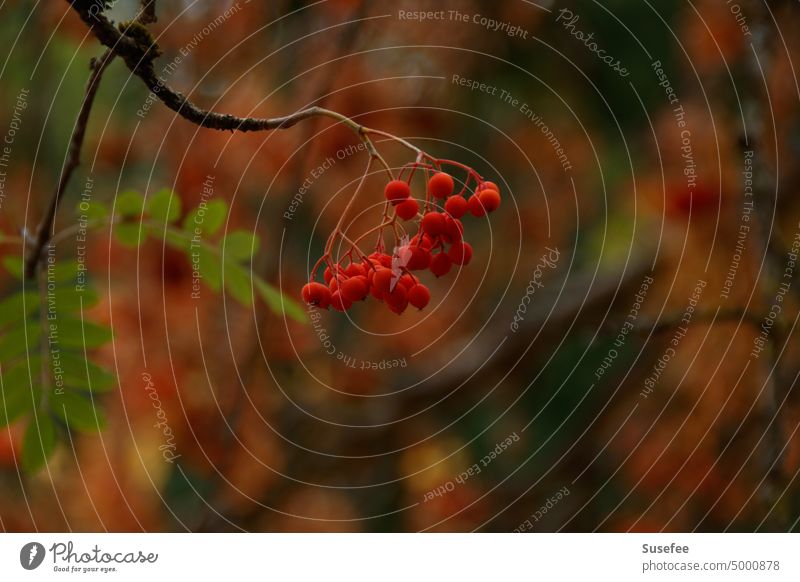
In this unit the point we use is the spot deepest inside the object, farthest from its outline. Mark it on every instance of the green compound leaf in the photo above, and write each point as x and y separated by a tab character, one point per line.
164	206
76	333
207	218
129	204
240	245
77	411
39	442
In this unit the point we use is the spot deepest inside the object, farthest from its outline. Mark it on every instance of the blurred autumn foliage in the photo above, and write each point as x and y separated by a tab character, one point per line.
375	422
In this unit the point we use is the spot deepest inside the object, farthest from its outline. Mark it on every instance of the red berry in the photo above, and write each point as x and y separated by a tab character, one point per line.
355	288
327	275
425	242
399	308
420	259
489	199
407	209
433	224
440	185
317	294
419	296
456	206
475	207
460	253
382	280
333	285
440	264
397	191
355	270
454	229
489	186
339	302
407	281
397	298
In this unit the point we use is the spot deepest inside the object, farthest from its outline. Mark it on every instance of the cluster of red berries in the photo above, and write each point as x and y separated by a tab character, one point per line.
437	245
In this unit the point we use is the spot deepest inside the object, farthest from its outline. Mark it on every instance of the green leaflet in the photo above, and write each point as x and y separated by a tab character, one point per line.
206	219
278	302
14	265
77	411
18	307
237	283
39	442
79	373
61	271
77	333
17	395
129	234
129	204
239	245
19	341
209	266
164	206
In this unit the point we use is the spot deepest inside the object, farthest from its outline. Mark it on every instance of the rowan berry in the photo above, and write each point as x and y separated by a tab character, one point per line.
407	281
419	296
386	260
453	230
487	185
317	294
397	297
382	280
440	185
339	302
355	270
407	209
460	253
420	259
398	308
475	207
355	288
456	206
327	275
396	191
440	264
489	199
423	241
433	223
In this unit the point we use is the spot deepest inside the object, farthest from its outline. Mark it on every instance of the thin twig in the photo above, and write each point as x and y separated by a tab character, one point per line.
44	231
